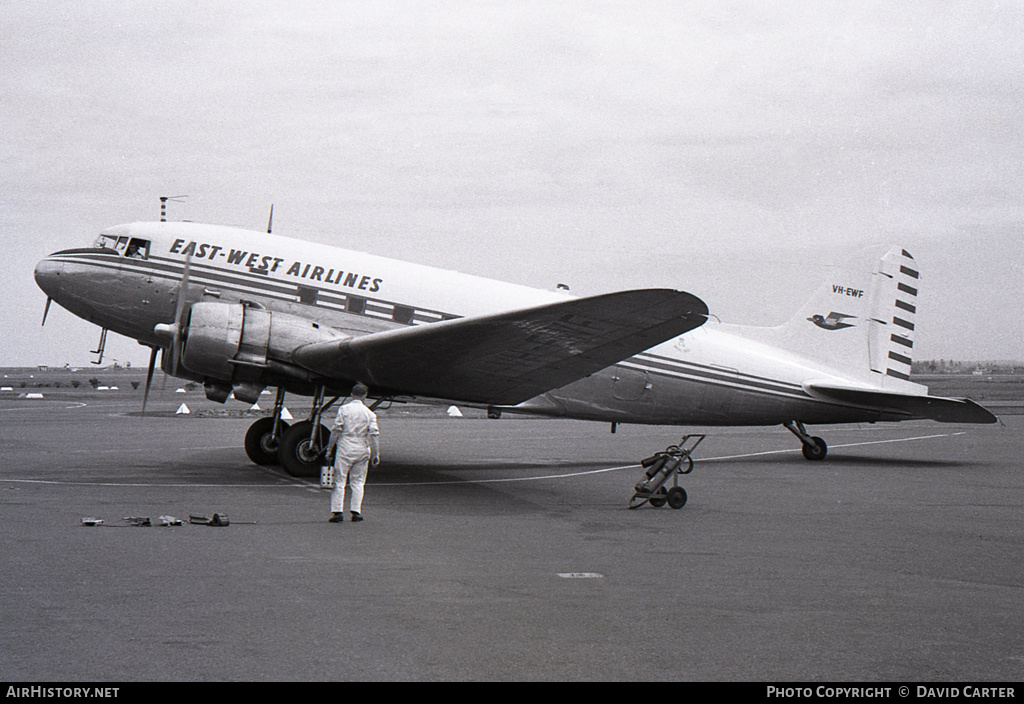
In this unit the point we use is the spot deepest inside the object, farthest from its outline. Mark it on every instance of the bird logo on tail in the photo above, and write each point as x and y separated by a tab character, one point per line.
834	321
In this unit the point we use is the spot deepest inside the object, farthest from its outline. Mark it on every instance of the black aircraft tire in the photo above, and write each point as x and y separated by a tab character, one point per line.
297	457
259	445
817	452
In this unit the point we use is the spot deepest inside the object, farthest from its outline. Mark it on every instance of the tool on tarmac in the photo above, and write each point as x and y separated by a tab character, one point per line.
219	519
669	463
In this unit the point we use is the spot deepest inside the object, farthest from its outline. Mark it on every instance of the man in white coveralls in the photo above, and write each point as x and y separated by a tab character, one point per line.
355	434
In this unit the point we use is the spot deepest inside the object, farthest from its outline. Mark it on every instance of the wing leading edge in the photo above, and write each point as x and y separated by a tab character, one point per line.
506	358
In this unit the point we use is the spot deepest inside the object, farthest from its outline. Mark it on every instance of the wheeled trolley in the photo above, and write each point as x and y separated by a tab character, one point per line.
662	466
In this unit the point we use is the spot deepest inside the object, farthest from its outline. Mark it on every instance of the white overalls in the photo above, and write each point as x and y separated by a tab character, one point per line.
355	424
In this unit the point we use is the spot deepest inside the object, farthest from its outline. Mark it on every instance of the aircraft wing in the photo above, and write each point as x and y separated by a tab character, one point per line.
944	410
506	358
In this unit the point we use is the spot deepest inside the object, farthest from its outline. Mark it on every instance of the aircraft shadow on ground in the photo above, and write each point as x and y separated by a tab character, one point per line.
880	462
426	467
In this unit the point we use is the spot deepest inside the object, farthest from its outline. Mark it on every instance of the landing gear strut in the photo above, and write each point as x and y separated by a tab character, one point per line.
263	439
814	448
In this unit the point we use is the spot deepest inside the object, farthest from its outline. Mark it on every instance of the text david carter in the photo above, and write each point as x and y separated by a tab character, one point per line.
904	691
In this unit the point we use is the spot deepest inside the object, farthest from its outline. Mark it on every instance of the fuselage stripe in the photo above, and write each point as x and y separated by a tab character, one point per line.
679	371
724	374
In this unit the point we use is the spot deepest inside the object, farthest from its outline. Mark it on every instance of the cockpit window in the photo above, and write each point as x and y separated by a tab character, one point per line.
125	246
137	249
107	241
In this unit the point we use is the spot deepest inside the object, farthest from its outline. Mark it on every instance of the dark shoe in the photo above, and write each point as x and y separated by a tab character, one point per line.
336	518
356	517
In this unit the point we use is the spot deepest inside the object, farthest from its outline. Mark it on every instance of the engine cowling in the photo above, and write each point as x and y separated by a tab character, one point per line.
231	345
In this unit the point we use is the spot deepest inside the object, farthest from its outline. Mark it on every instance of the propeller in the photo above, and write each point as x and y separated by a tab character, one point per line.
170	331
179	311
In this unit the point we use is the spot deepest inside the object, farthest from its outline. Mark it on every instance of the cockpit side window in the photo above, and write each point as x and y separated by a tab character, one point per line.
137	249
105	242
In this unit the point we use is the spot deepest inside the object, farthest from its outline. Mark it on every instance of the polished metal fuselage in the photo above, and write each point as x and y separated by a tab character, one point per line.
712	375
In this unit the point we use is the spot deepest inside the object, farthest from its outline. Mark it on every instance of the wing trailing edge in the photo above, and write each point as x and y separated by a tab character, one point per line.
939	408
509	357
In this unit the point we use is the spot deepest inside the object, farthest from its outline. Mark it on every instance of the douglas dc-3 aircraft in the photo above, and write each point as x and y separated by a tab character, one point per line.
240	311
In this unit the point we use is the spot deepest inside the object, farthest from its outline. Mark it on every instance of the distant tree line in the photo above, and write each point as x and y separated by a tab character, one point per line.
953	366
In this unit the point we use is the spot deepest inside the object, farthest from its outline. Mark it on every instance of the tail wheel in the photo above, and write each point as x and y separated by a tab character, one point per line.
260	445
301	455
817	451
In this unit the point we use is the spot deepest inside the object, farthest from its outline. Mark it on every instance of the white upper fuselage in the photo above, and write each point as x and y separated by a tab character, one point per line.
713	375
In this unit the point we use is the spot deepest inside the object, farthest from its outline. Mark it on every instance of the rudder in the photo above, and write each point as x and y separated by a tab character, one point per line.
891	338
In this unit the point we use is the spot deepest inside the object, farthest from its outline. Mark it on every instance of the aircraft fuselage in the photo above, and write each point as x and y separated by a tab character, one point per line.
712	375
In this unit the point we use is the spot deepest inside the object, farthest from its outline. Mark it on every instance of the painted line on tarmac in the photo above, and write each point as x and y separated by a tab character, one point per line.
831	447
636	465
26	409
294	483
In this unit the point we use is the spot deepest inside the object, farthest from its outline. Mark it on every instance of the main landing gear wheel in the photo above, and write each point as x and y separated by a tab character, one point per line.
817	451
301	451
260	445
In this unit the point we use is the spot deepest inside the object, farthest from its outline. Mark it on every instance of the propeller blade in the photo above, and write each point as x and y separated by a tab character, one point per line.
46	310
149	379
179	311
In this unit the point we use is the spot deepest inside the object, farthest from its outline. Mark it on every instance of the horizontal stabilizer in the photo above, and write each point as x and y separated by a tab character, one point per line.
506	358
944	410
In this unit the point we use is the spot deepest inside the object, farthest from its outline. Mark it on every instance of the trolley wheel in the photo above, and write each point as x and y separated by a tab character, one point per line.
676	497
659	498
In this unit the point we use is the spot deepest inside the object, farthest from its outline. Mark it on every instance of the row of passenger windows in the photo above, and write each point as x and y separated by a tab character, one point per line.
357	305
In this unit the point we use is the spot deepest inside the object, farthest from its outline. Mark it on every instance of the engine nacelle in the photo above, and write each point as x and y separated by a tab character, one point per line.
246	348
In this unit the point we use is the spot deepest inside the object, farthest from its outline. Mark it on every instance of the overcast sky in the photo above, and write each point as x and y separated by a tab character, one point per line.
735	150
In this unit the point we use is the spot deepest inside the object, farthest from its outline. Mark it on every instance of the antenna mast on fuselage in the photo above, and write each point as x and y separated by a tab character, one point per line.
163	205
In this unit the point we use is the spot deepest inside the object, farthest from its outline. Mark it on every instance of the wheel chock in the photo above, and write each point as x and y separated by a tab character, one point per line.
169	521
89	521
137	521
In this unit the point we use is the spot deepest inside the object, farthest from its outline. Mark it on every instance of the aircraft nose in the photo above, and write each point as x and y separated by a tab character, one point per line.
48	273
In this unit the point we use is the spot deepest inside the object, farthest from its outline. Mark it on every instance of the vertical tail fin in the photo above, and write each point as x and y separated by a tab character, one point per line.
862	320
891	338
